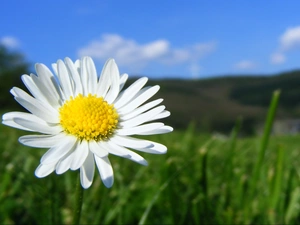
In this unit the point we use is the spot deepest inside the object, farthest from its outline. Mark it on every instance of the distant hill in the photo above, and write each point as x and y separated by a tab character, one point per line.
215	104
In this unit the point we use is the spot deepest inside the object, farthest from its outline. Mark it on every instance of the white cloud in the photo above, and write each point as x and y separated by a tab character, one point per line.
9	42
290	39
128	52
245	65
277	58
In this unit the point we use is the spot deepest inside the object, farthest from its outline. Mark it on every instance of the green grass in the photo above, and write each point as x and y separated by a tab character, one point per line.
203	179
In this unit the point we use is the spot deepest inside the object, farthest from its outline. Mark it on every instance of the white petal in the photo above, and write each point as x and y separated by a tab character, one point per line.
87	171
80	154
115	82
78	65
130	92
105	170
115	149
47	82
161	130
123	80
55	153
54	67
44	170
34	123
92	75
11	123
141	109
142	118
45	113
7	119
64	163
84	76
33	88
131	142
140	129
142	96
30	122
104	80
157	148
97	149
41	141
75	75
110	147
161	115
36	107
65	79
54	94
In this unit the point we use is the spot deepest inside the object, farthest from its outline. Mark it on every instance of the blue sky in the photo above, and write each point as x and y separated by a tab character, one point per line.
186	39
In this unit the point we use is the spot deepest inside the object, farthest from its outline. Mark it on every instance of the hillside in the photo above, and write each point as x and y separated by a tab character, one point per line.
215	104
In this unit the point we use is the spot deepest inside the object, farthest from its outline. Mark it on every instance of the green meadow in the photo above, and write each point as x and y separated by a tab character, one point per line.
219	169
203	179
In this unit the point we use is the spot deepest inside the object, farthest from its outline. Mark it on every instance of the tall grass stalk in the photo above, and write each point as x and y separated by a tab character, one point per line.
157	194
293	207
154	199
265	138
262	150
276	185
229	161
230	188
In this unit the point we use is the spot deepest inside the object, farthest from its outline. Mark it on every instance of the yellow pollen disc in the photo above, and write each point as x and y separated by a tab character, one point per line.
88	117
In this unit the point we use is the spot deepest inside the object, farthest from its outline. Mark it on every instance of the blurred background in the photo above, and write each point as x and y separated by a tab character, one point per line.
218	64
214	60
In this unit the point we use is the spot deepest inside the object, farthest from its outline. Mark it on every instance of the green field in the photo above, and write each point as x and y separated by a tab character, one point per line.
203	179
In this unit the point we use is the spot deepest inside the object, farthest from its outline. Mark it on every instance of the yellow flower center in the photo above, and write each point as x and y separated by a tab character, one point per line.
88	117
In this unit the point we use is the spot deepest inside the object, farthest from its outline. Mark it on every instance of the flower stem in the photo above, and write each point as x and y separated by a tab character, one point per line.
78	201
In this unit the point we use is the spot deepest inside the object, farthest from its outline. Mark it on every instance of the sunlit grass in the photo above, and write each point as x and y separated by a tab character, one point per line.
203	179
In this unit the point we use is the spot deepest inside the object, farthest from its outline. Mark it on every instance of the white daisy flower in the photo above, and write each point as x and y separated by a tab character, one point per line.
83	119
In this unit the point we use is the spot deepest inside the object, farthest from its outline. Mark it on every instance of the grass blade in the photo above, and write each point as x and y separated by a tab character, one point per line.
155	197
262	149
276	184
265	138
293	209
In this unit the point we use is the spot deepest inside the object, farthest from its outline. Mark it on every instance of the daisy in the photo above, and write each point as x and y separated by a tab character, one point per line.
82	118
